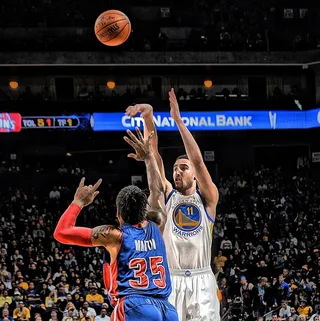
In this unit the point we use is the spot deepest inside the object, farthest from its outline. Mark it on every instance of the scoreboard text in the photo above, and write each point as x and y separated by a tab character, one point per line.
50	122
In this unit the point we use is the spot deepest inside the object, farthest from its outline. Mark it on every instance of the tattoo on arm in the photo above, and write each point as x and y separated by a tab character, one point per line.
101	232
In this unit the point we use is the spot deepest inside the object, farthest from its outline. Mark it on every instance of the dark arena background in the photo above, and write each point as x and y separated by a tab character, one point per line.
247	77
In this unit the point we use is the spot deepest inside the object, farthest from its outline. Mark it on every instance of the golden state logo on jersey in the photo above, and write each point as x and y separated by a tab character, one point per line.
187	219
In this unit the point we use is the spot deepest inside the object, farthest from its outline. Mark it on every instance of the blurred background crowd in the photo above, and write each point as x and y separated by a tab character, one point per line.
265	251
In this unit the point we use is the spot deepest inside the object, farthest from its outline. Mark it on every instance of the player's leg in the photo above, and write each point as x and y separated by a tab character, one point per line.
177	297
216	301
202	298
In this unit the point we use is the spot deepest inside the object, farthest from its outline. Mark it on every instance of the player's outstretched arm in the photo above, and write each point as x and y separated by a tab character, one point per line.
67	233
146	111
144	152
207	188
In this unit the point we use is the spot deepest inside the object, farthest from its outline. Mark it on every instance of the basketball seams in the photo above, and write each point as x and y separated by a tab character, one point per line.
106	42
110	25
129	31
118	32
116	12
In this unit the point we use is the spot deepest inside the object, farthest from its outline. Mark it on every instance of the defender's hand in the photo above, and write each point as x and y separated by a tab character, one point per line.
85	195
139	144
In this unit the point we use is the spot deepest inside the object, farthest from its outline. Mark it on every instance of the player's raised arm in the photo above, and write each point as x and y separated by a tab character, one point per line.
67	233
144	152
149	126
207	188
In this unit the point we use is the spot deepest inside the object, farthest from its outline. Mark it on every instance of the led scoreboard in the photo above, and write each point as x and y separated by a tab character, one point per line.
58	122
14	122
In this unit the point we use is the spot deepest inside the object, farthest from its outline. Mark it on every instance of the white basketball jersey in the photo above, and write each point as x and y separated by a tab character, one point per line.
188	232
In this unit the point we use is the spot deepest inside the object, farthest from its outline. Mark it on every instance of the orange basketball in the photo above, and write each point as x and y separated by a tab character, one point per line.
112	28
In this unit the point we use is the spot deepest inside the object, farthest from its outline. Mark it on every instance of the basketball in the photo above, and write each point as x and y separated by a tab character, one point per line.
112	28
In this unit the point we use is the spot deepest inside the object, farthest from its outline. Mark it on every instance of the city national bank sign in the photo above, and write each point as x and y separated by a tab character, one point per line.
200	121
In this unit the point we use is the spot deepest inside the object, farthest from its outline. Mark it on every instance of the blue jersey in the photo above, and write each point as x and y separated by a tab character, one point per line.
141	266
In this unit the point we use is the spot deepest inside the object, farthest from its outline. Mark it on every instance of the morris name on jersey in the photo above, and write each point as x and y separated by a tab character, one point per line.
141	245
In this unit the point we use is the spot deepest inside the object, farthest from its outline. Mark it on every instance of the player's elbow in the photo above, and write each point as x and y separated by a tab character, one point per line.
58	235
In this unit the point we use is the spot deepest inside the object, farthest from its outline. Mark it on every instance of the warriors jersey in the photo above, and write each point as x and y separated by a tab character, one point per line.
188	231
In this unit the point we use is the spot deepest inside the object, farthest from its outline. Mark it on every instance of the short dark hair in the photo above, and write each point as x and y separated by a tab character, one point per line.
184	156
132	204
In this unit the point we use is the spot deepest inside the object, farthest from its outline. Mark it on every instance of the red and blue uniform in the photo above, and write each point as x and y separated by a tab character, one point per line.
138	281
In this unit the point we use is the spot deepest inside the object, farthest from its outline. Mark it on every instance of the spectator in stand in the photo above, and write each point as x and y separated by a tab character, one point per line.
54	316
226	244
283	288
21	313
219	275
54	194
5	314
304	309
259	299
69	316
85	315
90	311
285	311
294	314
220	259
94	298
246	293
4	297
52	299
70	307
103	316
224	294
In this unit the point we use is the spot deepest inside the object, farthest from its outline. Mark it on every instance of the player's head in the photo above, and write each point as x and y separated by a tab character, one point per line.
183	174
131	205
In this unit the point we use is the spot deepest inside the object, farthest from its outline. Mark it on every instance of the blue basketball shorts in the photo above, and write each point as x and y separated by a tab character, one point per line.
139	308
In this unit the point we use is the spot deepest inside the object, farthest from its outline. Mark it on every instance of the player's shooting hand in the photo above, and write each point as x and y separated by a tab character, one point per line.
144	109
174	106
86	194
139	144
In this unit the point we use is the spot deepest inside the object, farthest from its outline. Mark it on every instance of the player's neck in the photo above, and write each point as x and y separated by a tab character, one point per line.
189	191
141	224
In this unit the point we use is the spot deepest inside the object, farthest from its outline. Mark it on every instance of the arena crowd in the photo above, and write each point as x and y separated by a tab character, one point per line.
265	254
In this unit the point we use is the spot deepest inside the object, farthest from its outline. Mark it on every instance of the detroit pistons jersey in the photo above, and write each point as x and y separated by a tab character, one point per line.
188	231
141	266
